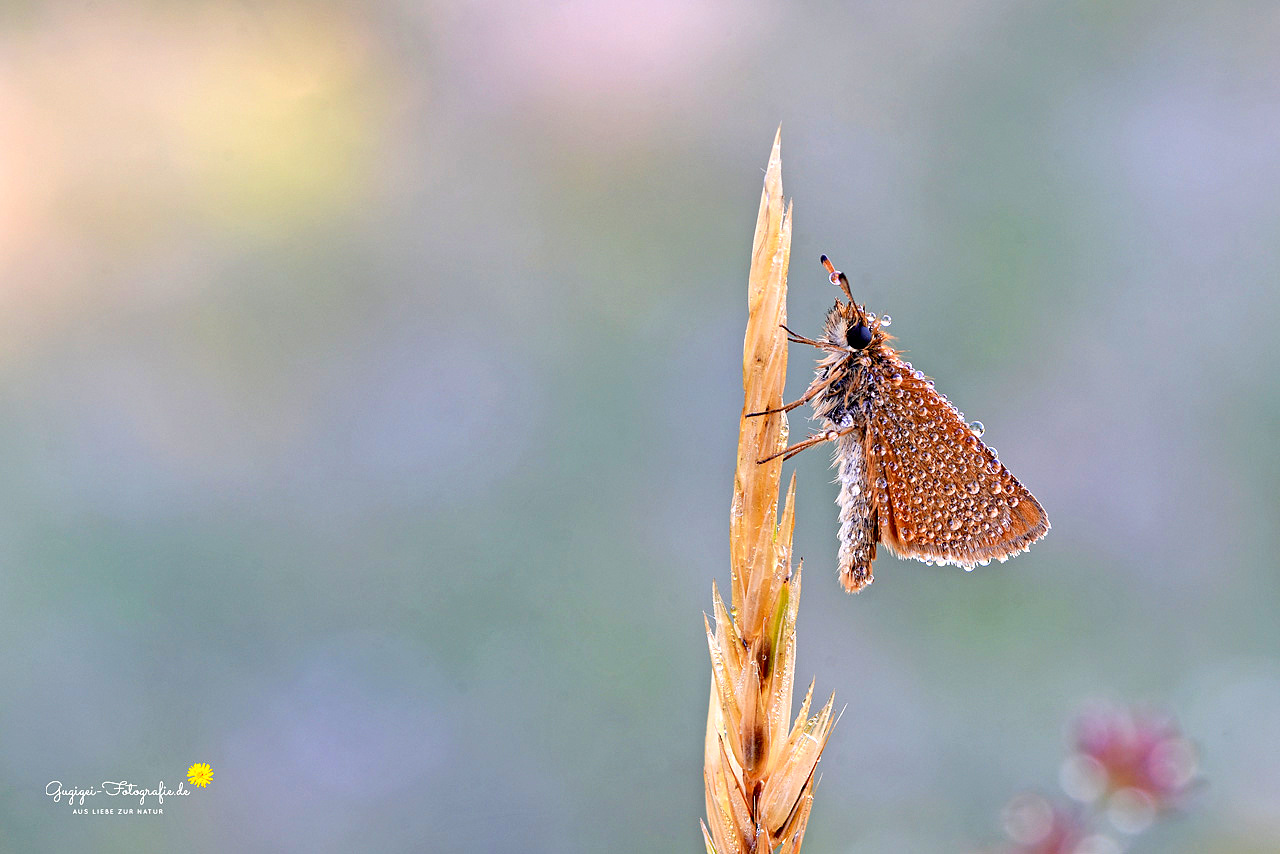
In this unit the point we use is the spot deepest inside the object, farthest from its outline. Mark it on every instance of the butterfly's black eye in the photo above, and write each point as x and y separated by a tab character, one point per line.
858	336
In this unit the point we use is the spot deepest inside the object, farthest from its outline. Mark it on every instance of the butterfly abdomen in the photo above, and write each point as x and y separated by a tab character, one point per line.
857	521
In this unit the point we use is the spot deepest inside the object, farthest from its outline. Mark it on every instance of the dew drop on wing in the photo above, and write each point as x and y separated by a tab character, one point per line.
886	320
978	428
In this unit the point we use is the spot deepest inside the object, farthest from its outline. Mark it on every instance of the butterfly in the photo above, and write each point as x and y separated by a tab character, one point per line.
913	474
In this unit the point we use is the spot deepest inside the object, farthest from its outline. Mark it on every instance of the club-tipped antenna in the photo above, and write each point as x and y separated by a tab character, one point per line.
837	278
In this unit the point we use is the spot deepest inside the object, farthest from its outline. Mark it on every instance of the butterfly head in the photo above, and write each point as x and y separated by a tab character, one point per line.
850	325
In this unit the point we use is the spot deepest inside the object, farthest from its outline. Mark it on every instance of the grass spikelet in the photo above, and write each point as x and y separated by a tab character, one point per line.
758	765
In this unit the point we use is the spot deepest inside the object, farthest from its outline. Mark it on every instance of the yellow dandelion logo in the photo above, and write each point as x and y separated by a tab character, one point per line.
199	774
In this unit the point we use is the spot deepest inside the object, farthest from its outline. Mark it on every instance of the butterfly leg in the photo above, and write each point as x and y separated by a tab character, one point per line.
828	436
797	338
808	395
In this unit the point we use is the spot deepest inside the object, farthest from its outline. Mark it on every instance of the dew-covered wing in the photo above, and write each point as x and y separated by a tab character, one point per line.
941	495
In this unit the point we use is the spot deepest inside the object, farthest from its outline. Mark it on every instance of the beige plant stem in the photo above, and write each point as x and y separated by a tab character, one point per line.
758	766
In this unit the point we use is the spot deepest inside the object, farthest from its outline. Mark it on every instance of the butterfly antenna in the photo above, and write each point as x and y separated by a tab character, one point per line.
837	278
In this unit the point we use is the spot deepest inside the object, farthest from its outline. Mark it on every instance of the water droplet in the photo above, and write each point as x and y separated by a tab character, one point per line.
956	524
973	487
877	449
1098	844
1028	819
1013	501
855	490
871	317
918	374
881	483
1131	810
968	569
1083	778
886	320
896	379
978	428
1173	762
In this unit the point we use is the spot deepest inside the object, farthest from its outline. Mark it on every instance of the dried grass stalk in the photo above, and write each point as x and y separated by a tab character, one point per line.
758	766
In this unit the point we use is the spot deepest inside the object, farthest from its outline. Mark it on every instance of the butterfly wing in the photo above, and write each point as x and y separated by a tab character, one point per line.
940	494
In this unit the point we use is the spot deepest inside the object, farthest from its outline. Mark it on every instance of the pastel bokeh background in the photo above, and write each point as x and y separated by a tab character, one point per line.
370	374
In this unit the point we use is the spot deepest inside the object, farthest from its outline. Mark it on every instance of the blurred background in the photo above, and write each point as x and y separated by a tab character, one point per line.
370	376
